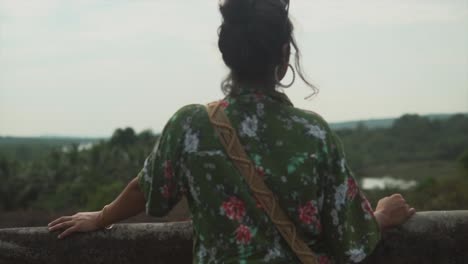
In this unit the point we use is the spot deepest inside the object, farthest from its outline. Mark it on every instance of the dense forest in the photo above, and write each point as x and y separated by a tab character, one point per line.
61	175
73	177
434	152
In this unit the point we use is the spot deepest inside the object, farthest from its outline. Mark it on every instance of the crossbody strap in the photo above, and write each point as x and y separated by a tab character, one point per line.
264	195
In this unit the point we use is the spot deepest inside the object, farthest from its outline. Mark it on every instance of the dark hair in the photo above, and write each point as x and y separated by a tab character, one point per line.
251	39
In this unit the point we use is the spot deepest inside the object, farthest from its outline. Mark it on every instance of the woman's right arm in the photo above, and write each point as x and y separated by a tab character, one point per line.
129	203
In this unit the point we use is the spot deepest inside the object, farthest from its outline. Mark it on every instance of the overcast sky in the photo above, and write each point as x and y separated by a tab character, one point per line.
85	68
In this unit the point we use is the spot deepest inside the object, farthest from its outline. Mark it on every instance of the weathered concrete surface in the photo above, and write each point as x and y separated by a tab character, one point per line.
429	237
125	243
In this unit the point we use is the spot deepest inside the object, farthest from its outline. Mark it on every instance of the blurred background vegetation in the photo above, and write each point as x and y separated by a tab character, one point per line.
57	175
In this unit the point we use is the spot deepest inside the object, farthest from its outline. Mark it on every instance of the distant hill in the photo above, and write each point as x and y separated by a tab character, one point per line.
383	122
48	140
11	144
29	148
370	123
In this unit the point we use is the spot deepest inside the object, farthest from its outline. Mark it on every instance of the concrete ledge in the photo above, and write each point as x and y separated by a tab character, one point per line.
125	243
428	237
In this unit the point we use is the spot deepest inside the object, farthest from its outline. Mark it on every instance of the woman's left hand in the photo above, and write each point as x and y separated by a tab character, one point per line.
80	222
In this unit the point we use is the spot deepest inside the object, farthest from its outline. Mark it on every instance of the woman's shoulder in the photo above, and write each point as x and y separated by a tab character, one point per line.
310	116
184	118
189	111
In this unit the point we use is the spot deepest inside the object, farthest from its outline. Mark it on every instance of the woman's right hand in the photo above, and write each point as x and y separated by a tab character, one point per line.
80	222
392	211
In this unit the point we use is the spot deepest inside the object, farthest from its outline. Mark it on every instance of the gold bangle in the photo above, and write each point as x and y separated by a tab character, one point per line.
101	219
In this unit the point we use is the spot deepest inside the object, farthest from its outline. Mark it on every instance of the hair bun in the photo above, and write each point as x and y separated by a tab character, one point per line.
236	11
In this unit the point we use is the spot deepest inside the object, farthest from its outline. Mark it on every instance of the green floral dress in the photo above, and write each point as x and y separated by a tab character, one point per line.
300	159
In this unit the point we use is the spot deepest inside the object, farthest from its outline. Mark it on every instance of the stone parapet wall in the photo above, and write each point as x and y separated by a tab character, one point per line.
428	237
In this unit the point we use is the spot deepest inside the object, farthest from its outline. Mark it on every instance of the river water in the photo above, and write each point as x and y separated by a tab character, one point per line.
387	182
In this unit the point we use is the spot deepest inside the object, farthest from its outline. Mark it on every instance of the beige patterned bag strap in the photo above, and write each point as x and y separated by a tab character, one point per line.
264	195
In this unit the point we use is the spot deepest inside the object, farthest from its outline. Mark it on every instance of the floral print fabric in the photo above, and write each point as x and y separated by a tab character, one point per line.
299	158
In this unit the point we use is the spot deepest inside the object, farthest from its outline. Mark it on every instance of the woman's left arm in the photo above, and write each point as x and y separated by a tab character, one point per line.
130	202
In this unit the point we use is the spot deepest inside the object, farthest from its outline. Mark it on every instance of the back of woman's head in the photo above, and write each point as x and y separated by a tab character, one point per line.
252	38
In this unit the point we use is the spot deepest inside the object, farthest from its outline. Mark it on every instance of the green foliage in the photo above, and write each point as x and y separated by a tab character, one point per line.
29	149
463	161
104	194
415	148
71	177
411	138
431	194
123	137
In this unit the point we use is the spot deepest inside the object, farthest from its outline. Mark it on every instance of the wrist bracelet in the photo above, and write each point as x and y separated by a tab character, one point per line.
101	219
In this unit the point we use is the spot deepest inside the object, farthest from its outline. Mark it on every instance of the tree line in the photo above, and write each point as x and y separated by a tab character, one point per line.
86	179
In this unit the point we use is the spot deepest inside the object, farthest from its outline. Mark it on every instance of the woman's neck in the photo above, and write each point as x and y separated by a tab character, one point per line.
263	86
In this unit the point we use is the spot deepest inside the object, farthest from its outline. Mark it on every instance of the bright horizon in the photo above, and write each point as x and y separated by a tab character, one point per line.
85	68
